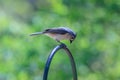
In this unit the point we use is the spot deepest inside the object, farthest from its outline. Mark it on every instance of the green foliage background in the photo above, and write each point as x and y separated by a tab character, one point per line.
96	49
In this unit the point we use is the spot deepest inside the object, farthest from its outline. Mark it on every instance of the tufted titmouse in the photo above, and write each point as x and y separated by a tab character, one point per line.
58	34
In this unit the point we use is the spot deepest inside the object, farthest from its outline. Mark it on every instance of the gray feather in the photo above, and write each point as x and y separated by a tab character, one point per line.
56	31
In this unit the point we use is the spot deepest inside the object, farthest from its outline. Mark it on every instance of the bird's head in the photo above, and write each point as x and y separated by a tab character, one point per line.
73	36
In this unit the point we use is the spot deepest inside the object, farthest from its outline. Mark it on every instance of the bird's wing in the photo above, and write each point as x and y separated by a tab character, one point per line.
56	31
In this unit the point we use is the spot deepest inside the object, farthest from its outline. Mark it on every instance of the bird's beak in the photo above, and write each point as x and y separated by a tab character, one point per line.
71	41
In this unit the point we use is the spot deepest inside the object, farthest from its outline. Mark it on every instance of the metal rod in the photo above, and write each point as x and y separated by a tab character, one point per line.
50	57
72	63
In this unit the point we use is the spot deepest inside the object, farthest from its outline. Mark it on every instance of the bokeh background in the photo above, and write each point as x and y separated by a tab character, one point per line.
96	49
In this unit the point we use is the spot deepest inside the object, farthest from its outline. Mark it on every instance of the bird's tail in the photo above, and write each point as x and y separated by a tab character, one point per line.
36	33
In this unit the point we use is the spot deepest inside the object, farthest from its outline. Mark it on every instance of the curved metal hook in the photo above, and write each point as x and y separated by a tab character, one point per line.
61	46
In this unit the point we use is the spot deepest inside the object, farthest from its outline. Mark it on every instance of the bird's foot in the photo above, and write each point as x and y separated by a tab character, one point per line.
62	44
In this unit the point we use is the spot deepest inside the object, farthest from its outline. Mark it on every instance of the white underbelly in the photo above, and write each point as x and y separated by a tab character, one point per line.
59	37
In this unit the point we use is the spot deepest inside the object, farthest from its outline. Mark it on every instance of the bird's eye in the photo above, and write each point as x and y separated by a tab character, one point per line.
72	38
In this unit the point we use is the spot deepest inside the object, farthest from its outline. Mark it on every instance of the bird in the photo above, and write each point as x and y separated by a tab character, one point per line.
58	34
